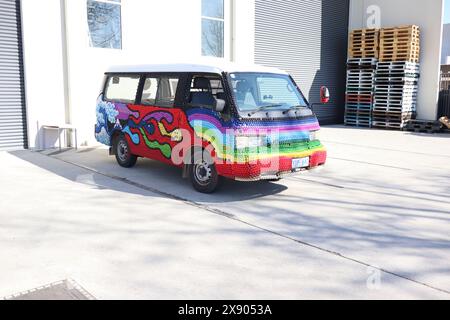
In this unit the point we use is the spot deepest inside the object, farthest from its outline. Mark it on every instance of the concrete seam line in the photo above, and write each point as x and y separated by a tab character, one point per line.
234	218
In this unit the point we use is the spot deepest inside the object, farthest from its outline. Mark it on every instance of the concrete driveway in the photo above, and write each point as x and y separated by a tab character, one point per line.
373	223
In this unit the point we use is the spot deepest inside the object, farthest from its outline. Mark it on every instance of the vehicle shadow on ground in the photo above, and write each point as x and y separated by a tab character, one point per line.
102	172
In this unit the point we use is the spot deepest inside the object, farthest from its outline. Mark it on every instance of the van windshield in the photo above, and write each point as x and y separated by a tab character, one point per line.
262	91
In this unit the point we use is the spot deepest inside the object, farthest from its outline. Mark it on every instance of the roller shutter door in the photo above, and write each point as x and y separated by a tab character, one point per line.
12	101
307	38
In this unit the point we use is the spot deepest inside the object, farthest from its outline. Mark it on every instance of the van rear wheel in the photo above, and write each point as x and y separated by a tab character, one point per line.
123	154
203	173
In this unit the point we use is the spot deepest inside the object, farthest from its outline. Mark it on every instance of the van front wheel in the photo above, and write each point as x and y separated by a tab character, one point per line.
203	173
123	154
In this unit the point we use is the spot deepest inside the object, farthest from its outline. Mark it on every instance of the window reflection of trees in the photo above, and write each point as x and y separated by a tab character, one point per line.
104	20
213	22
213	38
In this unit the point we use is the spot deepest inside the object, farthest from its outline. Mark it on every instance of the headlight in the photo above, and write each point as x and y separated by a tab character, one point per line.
314	136
250	142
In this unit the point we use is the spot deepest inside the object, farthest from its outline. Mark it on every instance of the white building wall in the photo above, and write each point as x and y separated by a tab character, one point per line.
43	58
152	32
244	31
428	15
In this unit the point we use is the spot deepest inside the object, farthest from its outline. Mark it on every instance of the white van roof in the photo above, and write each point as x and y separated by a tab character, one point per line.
216	67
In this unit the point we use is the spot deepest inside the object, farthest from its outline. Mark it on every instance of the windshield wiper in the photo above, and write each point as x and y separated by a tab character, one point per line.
270	106
293	108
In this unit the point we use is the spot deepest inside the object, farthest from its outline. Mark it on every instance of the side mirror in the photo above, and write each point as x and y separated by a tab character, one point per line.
324	95
220	105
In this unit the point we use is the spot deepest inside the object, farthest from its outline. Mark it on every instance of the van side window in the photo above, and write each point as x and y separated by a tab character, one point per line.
122	88
150	91
205	90
160	92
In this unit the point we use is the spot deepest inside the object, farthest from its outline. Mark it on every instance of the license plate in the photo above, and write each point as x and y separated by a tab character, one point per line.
300	163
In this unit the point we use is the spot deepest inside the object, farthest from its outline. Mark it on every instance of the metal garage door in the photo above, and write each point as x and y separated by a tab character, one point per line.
307	38
12	101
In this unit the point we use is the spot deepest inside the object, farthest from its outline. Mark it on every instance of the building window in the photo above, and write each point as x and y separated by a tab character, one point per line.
105	25
213	28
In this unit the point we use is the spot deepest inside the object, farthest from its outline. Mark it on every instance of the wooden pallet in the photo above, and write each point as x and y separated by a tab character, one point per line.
393	115
358	119
395	94
401	31
397	86
364	54
366	88
400	44
413	57
362	63
400	40
358	90
389	124
358	107
364	33
398	72
364	43
401	65
393	111
392	79
397	82
379	103
359	124
363	98
404	45
400	49
384	105
423	126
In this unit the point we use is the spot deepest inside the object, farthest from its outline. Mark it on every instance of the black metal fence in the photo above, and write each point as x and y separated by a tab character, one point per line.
444	95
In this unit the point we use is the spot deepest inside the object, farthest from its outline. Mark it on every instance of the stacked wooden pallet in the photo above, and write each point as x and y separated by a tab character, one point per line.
363	57
397	77
359	92
400	44
396	86
364	43
422	126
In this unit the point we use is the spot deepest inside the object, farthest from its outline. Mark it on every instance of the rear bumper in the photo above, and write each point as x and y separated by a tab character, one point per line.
269	169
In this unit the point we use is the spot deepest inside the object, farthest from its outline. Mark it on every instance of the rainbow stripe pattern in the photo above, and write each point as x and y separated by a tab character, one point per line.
286	138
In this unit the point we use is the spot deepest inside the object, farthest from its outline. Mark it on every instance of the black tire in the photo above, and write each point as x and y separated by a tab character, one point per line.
122	151
203	173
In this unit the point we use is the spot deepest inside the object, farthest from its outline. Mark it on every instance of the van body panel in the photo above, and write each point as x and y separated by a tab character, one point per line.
276	140
291	142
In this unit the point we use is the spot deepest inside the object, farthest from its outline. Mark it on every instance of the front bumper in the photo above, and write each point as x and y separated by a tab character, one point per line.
270	169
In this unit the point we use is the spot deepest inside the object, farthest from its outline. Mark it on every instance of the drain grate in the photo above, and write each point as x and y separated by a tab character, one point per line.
62	290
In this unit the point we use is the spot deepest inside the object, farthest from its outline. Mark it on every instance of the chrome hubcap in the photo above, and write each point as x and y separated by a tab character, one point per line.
203	173
122	151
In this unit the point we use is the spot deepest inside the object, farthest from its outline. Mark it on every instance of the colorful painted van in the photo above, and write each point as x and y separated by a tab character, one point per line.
246	123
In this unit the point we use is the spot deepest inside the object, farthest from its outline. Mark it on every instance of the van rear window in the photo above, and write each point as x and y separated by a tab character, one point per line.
122	88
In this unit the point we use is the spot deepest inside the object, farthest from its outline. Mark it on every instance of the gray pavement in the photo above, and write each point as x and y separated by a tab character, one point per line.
379	210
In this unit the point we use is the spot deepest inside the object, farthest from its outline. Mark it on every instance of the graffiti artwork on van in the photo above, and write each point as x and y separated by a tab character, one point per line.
167	134
155	130
271	138
106	121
